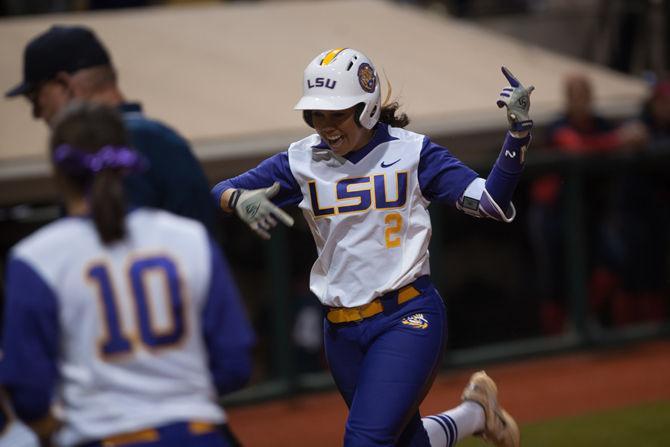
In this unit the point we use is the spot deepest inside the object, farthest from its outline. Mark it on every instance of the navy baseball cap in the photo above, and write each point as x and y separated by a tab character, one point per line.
61	48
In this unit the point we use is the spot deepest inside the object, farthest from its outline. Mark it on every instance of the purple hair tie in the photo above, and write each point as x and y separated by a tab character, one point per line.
77	162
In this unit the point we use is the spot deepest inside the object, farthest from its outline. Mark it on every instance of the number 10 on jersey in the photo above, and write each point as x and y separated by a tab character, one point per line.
116	342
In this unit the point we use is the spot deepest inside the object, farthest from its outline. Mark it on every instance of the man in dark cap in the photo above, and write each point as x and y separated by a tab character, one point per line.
67	63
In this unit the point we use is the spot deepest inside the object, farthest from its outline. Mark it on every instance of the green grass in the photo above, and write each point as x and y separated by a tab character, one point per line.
645	426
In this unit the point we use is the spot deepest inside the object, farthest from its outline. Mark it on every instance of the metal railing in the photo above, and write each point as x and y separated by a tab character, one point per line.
582	329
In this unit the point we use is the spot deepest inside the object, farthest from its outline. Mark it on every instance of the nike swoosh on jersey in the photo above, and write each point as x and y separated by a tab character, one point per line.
390	164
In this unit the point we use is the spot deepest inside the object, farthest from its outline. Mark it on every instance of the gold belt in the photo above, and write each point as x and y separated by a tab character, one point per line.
152	435
349	314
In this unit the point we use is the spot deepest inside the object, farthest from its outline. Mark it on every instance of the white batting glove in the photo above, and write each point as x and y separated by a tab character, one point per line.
517	100
254	207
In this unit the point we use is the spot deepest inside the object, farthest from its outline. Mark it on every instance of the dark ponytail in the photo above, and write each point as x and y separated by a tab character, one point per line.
108	205
86	144
389	113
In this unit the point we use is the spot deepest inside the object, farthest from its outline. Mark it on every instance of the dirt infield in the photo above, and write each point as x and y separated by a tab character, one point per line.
531	390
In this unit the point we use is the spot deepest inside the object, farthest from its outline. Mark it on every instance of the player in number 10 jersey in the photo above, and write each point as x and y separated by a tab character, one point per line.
130	322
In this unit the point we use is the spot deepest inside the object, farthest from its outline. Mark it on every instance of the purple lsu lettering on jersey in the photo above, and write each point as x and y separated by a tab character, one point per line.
362	210
371	186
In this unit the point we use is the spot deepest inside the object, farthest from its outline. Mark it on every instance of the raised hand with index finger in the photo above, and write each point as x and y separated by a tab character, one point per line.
517	100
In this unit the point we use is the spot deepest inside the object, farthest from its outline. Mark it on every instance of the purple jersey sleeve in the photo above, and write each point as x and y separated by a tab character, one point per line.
30	341
273	169
227	331
506	171
442	177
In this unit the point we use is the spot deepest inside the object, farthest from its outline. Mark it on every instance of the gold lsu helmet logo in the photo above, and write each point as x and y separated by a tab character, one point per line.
367	78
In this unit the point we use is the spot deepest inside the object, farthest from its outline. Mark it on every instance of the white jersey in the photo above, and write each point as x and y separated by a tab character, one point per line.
132	352
369	219
368	210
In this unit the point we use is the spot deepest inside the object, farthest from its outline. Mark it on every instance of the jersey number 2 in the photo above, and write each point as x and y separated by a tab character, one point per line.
116	342
393	223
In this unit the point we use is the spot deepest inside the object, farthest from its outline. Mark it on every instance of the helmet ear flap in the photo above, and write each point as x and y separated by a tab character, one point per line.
358	112
307	116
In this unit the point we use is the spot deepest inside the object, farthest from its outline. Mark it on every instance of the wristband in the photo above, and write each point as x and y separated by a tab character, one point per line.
234	198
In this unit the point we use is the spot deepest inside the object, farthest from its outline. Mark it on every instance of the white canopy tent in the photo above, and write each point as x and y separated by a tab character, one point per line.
228	75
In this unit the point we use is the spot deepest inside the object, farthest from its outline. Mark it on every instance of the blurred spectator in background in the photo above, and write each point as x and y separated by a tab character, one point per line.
643	198
67	63
582	131
579	131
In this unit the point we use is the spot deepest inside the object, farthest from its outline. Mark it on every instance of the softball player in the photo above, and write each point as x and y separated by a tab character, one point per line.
130	323
364	184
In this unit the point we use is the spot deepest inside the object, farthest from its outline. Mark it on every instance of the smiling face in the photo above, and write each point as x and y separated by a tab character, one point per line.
339	130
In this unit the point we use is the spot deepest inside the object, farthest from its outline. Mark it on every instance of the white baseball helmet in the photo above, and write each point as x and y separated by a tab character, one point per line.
339	79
